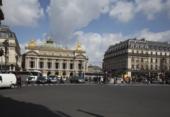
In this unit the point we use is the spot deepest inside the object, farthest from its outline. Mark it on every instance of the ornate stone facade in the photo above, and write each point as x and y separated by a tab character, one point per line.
53	60
11	57
138	58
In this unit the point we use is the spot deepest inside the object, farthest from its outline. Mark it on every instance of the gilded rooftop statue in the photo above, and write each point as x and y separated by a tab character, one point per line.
78	46
32	44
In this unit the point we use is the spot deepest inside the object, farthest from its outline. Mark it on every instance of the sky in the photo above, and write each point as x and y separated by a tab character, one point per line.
97	24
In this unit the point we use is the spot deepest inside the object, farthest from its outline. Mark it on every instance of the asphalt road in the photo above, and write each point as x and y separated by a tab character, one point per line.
86	101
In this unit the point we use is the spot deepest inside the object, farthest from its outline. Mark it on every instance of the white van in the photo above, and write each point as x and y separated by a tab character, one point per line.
7	80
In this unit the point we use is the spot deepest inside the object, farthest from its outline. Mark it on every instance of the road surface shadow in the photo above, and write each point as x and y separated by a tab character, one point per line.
13	108
89	113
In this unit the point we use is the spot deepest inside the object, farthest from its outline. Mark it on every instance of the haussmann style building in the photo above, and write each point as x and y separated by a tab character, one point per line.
138	58
10	57
53	60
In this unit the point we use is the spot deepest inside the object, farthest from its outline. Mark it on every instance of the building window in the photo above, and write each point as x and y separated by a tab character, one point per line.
49	65
156	67
71	74
151	67
151	60
56	73
71	65
132	51
1	78
56	65
137	66
133	67
80	66
142	68
48	73
32	64
64	65
64	73
41	64
146	67
156	60
133	59
142	60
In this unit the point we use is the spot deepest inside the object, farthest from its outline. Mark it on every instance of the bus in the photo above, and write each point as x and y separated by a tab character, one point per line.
26	74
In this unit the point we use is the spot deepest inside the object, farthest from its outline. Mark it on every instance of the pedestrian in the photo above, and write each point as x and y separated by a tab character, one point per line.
61	80
19	82
101	80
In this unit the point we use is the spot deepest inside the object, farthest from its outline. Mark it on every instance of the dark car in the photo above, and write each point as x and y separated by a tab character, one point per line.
77	79
52	79
167	80
41	80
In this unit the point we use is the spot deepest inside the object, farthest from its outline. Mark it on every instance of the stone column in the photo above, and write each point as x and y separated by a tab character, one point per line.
27	63
37	63
53	64
75	67
45	64
60	67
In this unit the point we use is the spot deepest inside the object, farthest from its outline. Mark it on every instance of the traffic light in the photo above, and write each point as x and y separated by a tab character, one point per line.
1	52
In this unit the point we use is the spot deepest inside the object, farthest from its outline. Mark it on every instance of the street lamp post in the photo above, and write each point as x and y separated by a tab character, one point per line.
1	54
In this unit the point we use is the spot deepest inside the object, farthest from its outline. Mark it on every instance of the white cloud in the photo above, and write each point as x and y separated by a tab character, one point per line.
96	44
158	36
122	10
150	7
167	7
67	16
22	12
125	10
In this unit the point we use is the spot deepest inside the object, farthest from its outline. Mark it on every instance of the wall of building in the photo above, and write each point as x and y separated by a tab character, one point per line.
51	55
143	57
13	60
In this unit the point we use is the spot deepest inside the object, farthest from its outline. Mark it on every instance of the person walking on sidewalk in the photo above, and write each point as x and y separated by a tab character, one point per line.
19	82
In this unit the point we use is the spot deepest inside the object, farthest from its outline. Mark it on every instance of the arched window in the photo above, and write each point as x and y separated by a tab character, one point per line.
49	73
56	73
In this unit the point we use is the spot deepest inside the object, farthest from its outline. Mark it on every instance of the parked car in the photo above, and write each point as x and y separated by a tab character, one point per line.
77	79
145	81
167	81
41	80
8	80
117	80
157	81
30	79
52	79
